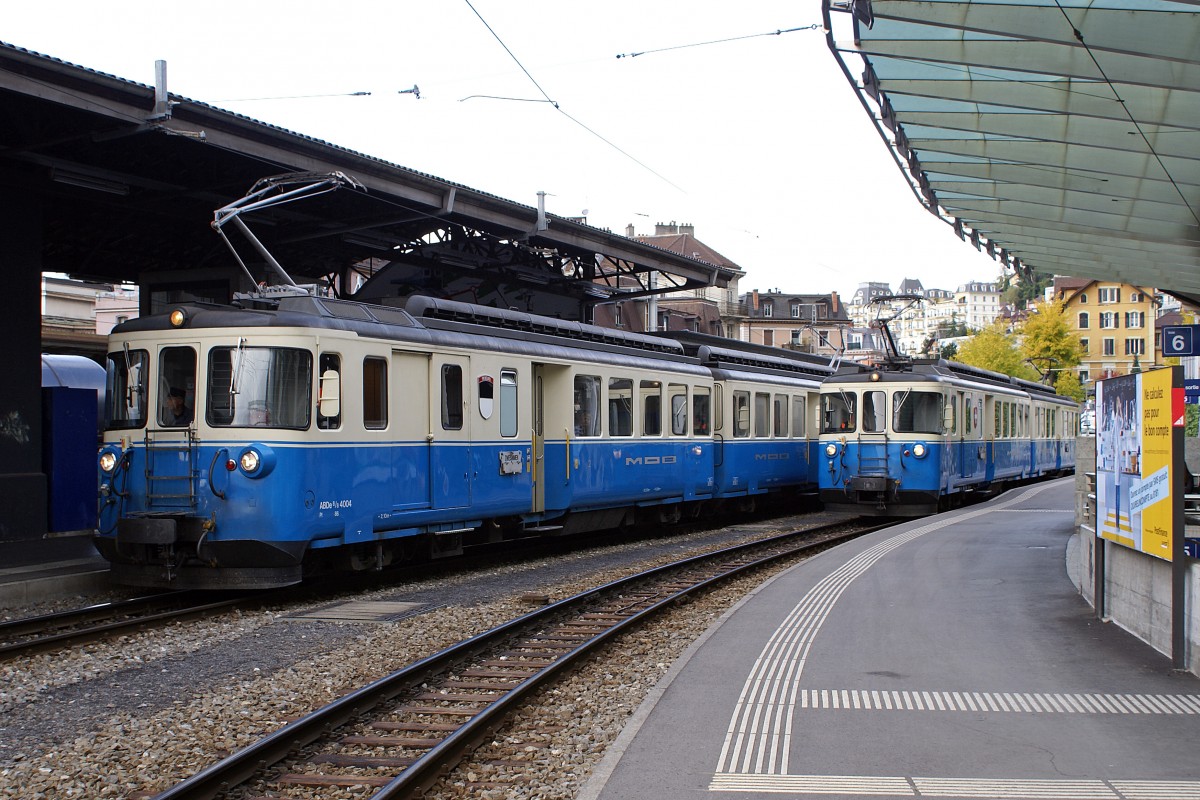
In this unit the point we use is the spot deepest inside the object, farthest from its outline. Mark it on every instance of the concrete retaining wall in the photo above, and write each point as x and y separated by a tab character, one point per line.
1137	586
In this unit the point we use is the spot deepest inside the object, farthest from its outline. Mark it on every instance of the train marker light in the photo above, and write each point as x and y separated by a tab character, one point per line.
231	465
178	317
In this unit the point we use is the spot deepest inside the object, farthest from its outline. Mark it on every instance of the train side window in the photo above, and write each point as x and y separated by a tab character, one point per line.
375	403
781	415
968	410
741	415
762	415
700	411
650	393
677	393
177	386
508	402
874	405
587	405
799	409
954	413
452	397
620	407
327	389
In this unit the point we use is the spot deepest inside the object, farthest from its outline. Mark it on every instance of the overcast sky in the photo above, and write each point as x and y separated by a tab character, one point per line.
760	143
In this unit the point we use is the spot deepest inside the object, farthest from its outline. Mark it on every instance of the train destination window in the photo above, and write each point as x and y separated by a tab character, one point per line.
799	406
762	414
677	393
620	407
700	411
375	406
781	415
508	402
452	397
650	393
587	405
329	367
917	412
267	387
125	389
177	386
874	404
741	414
838	411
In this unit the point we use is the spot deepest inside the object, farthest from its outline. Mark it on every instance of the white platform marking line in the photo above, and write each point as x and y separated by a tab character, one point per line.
783	657
990	788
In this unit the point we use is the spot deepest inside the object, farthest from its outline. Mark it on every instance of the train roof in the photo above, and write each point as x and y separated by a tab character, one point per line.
944	370
718	351
426	319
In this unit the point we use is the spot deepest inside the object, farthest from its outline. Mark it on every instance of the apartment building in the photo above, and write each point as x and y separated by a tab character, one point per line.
809	323
1115	323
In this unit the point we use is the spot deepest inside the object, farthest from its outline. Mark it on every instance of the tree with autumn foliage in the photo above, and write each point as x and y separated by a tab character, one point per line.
996	349
1048	343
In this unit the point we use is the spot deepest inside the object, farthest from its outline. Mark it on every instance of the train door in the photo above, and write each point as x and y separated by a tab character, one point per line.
537	460
554	465
411	465
450	466
171	462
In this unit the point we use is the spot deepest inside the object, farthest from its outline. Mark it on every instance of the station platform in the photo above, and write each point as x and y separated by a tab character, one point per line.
948	657
43	569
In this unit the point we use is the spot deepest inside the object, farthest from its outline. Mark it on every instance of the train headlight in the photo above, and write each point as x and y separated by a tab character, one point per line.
250	461
919	450
831	449
256	461
177	317
108	462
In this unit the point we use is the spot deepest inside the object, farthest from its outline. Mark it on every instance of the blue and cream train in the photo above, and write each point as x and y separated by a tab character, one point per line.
247	447
912	437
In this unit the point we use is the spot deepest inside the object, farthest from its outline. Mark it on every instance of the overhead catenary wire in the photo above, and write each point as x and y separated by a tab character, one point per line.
558	108
813	27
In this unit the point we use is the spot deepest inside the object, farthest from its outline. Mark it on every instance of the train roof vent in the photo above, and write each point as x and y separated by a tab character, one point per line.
346	309
713	355
505	320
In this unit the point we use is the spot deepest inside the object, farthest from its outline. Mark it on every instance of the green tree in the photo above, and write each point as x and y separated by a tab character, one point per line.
1068	385
1047	341
949	351
993	348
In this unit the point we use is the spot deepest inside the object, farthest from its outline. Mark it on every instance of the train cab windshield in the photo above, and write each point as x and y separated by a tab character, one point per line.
126	384
259	387
838	411
912	411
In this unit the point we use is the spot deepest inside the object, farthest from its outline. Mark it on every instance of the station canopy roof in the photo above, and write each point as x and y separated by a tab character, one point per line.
1061	135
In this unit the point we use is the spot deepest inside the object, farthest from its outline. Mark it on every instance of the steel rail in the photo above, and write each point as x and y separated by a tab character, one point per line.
243	765
140	611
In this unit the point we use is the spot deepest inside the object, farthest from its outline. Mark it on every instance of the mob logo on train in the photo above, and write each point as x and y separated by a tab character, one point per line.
649	461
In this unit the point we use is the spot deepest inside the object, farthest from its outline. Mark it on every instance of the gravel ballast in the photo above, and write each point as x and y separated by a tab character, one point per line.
133	716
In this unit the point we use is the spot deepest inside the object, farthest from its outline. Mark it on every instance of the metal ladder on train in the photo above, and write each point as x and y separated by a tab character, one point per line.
167	452
873	454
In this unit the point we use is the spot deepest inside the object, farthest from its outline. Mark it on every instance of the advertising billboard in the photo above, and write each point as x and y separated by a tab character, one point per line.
1136	417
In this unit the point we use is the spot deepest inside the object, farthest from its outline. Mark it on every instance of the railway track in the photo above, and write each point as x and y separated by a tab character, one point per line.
63	629
400	733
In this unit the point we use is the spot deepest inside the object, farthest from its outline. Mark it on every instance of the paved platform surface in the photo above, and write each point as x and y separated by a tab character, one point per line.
948	657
